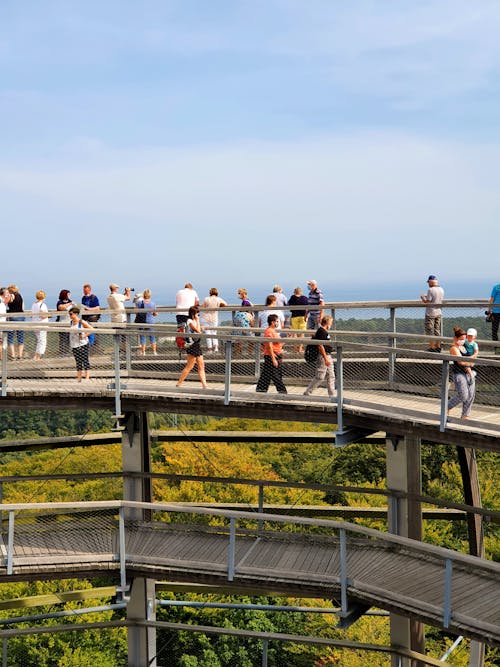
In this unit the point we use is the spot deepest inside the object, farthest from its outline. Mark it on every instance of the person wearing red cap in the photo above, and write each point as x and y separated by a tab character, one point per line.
433	300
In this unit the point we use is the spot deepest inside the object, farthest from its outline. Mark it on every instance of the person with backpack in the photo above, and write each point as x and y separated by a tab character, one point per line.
79	342
324	360
193	349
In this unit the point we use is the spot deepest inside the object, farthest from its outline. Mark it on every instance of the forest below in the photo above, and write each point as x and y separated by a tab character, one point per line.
361	465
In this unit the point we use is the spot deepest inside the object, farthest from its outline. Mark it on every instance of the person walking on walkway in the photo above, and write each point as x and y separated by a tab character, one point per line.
433	314
273	356
193	349
324	362
462	375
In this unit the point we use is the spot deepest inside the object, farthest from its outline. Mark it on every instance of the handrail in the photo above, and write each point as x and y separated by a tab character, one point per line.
282	484
329	305
428	549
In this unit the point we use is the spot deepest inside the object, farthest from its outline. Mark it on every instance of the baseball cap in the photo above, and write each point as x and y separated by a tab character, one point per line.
471	332
312	282
114	286
431	278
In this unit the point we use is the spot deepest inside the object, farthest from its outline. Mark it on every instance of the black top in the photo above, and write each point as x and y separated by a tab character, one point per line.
295	300
16	305
323	334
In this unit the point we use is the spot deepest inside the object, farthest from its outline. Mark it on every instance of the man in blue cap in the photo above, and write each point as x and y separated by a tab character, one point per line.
433	300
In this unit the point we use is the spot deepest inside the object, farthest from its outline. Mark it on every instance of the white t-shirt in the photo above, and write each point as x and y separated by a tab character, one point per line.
116	302
37	308
211	318
3	311
264	314
184	299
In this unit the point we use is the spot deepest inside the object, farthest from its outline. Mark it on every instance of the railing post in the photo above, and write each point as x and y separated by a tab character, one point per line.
227	372
261	505
265	648
392	343
447	592
10	543
128	351
256	370
117	388
232	549
343	572
445	388
122	550
5	651
4	363
340	389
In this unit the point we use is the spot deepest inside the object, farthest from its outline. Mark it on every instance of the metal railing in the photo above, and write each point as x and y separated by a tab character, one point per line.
368	360
40	534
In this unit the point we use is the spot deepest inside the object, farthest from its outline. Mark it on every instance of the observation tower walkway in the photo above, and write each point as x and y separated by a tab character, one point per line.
358	567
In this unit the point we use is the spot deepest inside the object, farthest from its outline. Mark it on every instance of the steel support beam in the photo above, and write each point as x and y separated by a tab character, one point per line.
403	458
136	457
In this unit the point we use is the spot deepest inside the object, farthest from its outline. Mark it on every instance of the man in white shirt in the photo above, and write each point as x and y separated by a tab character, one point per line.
184	300
116	302
433	300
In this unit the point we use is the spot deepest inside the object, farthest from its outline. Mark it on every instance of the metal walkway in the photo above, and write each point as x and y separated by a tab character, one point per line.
253	552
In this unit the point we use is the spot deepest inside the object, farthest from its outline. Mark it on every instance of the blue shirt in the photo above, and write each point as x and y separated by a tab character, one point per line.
495	295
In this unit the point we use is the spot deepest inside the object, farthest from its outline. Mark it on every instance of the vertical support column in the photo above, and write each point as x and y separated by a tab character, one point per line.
472	496
141	606
403	460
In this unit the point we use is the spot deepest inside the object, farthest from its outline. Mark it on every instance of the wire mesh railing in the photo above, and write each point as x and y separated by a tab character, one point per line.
150	535
372	356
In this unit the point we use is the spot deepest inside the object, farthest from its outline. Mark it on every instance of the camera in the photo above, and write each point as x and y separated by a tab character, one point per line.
129	289
488	315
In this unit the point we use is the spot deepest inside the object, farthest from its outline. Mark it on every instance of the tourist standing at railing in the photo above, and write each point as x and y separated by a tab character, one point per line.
64	303
40	313
193	348
281	302
79	343
494	310
264	314
462	375
243	319
324	362
210	318
433	314
184	300
298	317
148	316
116	302
315	299
4	300
273	357
15	305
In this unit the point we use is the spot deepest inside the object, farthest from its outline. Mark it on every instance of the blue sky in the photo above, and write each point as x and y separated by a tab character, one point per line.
232	142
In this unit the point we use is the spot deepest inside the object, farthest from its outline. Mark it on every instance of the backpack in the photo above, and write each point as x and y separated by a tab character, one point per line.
140	318
181	341
311	354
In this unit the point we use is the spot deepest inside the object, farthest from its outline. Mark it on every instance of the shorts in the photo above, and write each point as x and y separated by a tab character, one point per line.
299	323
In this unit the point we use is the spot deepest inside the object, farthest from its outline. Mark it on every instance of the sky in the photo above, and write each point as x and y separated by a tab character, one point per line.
249	142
